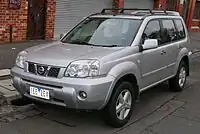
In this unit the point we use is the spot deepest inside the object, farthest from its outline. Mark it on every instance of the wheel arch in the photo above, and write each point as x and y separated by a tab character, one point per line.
129	78
183	56
186	60
126	71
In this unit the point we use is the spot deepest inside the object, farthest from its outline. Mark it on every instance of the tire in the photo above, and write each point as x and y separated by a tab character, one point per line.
175	83
126	105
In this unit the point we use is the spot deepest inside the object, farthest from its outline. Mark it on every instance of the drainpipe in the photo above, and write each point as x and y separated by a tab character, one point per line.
11	33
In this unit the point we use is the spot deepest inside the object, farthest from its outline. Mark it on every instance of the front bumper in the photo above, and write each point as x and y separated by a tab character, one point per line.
65	91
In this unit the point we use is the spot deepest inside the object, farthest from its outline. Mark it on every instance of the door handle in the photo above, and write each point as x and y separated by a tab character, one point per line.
163	52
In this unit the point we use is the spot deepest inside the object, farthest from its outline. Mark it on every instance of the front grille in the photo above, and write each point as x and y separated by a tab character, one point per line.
53	72
43	70
31	68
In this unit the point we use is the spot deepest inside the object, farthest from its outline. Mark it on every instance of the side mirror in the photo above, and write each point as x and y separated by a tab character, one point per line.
150	44
62	35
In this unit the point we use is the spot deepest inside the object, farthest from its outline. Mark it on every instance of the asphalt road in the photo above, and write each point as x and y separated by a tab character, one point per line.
159	111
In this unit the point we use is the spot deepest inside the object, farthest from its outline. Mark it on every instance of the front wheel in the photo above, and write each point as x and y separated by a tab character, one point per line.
177	83
119	109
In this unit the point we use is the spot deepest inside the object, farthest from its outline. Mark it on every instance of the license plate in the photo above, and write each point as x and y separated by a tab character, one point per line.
39	92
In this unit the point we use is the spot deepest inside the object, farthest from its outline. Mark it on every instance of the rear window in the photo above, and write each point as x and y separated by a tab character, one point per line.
180	29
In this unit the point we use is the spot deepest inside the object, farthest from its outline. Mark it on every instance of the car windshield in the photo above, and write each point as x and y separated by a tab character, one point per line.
107	32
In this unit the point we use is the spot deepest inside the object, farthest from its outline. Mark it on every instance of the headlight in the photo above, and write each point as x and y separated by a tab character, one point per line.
83	68
21	59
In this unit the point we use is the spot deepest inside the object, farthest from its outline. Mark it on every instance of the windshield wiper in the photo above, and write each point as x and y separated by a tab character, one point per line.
90	44
81	42
108	45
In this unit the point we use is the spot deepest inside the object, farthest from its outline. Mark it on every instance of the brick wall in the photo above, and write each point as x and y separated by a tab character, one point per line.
50	19
18	19
15	17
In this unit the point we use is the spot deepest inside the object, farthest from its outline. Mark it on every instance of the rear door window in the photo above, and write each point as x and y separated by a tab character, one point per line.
169	31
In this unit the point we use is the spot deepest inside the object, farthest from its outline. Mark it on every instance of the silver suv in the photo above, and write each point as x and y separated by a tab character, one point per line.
106	61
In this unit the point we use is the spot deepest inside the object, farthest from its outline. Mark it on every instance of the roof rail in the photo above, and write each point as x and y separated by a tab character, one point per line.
104	10
135	9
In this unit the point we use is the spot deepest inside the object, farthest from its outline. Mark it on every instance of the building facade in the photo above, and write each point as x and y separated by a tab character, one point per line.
193	18
22	20
18	24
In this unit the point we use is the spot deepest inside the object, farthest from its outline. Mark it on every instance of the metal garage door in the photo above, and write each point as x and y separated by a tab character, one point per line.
139	4
70	12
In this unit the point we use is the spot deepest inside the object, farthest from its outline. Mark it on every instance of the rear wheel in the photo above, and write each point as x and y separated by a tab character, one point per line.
119	109
177	83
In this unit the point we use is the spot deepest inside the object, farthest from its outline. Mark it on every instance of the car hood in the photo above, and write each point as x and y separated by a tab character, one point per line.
61	54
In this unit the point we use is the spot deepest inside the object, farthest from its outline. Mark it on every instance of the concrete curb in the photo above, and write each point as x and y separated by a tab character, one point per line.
4	74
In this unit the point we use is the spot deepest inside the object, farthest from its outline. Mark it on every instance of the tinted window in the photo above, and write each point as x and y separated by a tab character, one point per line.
180	30
169	31
152	31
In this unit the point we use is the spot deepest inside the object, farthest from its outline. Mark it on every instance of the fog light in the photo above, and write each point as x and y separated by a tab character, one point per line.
82	95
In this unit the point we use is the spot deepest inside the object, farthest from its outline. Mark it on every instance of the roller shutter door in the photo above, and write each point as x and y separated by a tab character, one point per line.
70	12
